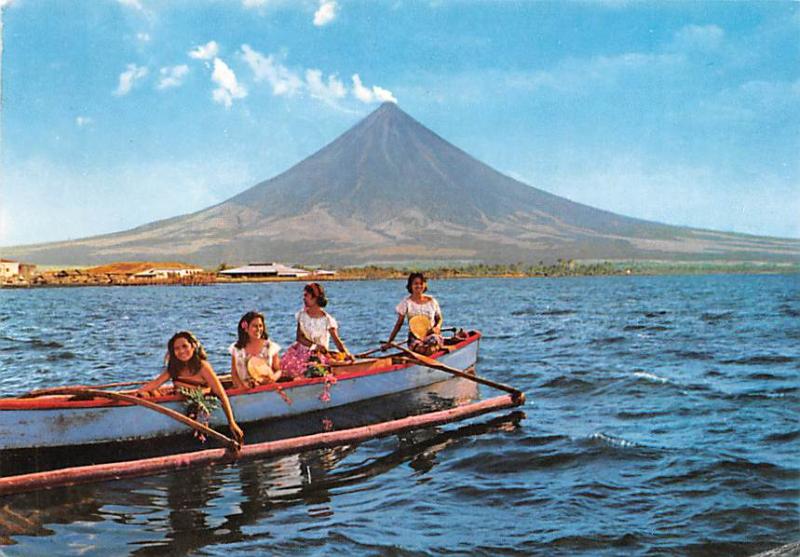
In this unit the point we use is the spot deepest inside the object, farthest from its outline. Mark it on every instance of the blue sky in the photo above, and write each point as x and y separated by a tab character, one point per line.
120	112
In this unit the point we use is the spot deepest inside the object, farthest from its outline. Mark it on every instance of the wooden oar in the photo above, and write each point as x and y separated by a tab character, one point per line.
194	424
516	394
373	351
50	390
380	349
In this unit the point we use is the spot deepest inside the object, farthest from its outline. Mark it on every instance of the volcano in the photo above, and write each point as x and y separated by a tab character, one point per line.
389	190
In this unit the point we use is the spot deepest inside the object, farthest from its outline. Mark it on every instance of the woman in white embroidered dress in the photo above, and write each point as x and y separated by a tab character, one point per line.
315	328
254	357
418	303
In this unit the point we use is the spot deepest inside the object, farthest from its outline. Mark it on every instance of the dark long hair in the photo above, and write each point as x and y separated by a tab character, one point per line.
411	279
316	290
174	365
245	320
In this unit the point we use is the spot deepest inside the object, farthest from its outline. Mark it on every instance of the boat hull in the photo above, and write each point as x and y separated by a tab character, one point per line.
59	421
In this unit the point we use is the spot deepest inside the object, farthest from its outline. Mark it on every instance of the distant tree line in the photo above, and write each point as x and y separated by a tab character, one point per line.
560	268
563	268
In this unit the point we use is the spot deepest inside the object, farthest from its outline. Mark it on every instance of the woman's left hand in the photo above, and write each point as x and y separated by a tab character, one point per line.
238	434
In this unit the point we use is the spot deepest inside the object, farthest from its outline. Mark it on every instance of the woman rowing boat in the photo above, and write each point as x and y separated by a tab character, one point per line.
424	317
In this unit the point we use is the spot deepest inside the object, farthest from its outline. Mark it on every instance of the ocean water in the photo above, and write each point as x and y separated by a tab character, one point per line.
662	418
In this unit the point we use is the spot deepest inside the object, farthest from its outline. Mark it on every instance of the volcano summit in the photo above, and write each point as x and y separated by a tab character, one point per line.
390	190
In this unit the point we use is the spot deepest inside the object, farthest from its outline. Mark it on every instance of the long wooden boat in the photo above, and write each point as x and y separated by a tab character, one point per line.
60	421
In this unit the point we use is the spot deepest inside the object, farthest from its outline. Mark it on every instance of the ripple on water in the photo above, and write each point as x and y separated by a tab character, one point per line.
568	383
760	359
654	314
554	312
608	340
63	355
612	440
38	344
693	355
714	317
725	470
782	437
651	377
641	415
764	377
789	311
630	328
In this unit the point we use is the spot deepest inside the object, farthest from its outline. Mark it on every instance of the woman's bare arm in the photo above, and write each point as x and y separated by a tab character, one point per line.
301	338
339	344
395	330
237	381
437	323
147	389
207	372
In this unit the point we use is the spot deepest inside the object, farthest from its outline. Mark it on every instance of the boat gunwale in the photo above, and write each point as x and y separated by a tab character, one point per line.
68	402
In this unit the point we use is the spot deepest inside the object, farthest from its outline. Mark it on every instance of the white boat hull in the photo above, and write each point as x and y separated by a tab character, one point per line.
37	423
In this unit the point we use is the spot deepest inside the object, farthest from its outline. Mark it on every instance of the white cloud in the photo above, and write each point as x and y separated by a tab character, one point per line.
283	80
82	121
144	37
128	79
329	92
326	13
172	76
699	37
205	52
383	95
261	6
361	93
574	76
135	4
366	95
4	3
229	88
287	82
753	101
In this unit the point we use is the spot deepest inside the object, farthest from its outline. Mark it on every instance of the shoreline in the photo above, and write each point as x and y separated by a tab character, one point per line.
75	277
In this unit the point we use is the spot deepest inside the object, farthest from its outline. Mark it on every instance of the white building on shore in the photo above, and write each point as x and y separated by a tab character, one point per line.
13	269
265	270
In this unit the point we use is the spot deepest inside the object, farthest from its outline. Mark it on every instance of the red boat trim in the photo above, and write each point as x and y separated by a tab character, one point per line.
149	466
61	401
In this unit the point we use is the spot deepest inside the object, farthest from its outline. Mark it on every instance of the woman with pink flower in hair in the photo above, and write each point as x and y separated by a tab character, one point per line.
315	328
188	367
254	356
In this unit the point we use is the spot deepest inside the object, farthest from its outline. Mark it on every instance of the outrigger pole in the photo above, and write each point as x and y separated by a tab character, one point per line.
112	395
210	457
419	359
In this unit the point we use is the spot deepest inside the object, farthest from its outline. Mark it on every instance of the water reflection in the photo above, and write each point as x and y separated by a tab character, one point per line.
308	481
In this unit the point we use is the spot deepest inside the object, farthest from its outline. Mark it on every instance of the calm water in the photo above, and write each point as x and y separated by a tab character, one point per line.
663	418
